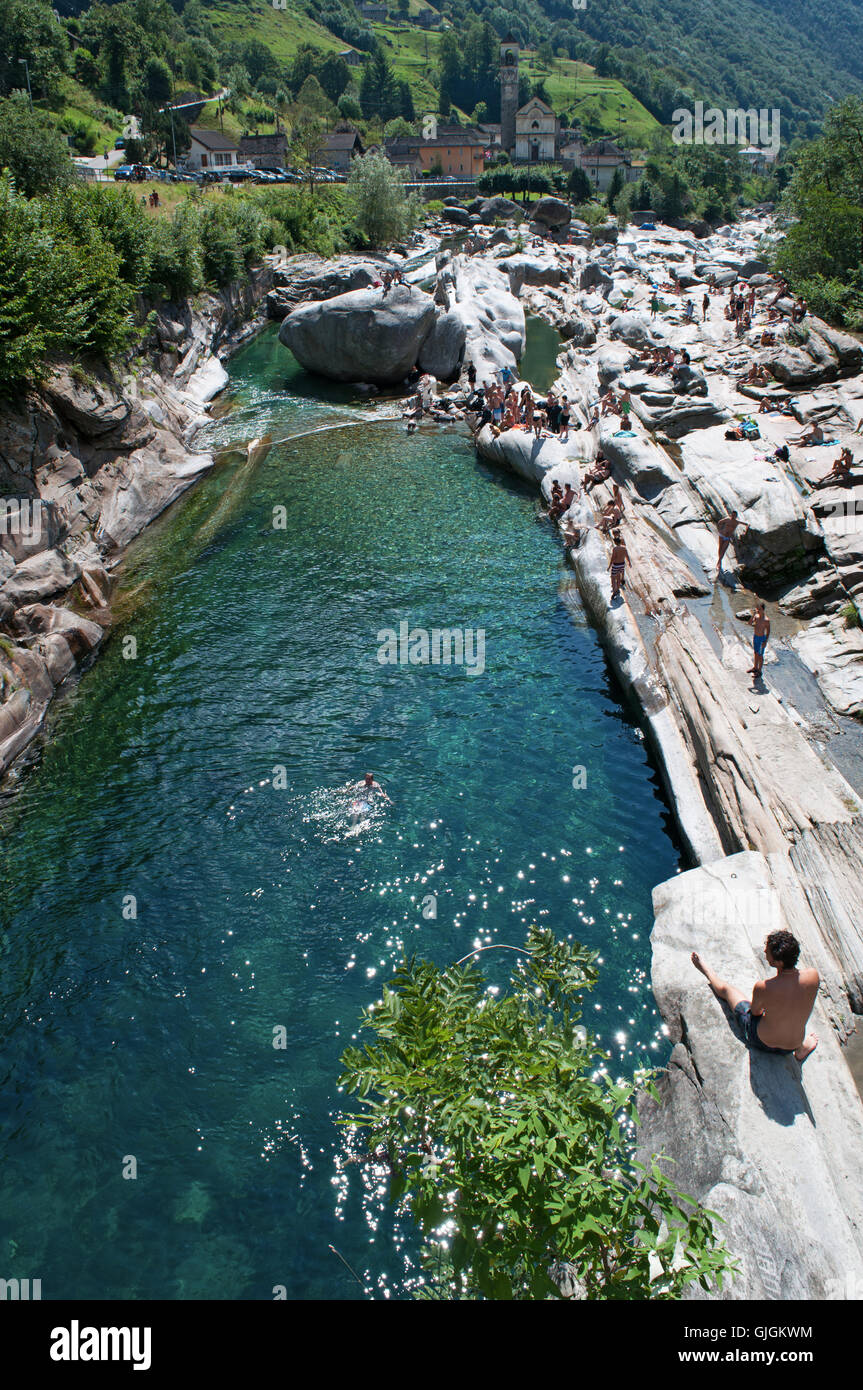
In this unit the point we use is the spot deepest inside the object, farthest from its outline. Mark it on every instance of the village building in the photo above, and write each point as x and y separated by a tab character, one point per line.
339	149
536	132
263	151
210	149
458	151
601	159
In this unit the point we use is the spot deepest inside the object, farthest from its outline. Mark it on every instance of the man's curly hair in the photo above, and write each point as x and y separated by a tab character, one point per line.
784	947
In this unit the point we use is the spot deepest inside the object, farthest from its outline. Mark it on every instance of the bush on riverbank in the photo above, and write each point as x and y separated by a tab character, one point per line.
821	255
511	1145
73	261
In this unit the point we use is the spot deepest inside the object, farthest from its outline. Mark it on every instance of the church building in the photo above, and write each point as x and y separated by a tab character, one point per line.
536	132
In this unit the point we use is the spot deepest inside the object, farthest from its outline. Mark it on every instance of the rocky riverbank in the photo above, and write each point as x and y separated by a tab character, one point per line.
88	460
774	826
764	773
765	777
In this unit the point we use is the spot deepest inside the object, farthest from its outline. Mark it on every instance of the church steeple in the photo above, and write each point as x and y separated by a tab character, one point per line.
509	51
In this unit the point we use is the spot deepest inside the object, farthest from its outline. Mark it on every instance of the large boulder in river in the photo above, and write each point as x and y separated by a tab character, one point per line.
530	270
634	328
442	352
361	336
489	209
551	212
457	215
595	277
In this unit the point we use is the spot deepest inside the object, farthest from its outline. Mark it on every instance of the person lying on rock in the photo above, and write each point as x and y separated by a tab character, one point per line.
598	474
775	1020
727	528
840	472
617	564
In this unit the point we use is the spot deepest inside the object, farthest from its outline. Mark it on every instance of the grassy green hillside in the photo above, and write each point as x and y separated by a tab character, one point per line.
283	31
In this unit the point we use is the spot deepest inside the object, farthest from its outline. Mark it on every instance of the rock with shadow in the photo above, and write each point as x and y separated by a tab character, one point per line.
772	1147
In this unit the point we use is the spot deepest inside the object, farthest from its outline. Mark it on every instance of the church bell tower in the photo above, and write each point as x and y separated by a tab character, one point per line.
509	51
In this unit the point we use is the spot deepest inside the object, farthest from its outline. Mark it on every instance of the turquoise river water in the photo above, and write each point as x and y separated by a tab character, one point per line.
180	875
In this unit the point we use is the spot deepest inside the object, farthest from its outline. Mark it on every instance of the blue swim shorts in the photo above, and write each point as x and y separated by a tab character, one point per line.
749	1029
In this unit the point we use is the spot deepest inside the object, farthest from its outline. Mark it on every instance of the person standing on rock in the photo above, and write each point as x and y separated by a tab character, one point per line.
761	624
775	1021
617	565
727	528
705	307
654	305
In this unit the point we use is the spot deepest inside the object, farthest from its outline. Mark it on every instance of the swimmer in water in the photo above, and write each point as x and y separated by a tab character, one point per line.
369	785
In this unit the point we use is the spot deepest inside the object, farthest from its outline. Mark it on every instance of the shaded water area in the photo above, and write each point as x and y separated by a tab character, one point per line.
144	1029
539	360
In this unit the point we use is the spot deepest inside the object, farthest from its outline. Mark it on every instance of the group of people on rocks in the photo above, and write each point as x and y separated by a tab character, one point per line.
505	408
389	277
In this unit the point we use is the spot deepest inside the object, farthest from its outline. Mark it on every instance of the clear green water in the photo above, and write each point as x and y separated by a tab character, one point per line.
257	907
539	360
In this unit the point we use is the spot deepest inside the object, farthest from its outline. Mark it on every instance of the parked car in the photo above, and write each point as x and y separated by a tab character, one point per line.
124	172
121	143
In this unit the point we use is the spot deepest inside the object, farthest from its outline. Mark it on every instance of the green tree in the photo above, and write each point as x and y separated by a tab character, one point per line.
579	186
30	31
497	1119
615	188
155	84
30	148
308	139
383	212
379	93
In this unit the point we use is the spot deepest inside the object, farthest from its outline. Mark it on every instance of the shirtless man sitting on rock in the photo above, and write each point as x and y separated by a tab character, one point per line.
775	1021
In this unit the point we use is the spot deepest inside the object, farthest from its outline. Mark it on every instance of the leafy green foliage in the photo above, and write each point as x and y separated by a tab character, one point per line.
60	285
30	148
383	211
514	179
822	252
509	1143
